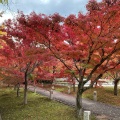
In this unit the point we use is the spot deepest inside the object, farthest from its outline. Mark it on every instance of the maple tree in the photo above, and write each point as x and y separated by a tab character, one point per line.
2	58
90	42
61	70
11	76
44	73
115	75
4	1
24	56
93	44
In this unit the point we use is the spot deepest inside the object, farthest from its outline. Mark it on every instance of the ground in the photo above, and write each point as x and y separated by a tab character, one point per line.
38	108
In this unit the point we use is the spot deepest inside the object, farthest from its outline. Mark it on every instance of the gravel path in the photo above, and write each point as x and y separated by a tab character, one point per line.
106	111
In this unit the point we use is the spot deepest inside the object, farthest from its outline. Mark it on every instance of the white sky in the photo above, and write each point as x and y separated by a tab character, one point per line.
63	7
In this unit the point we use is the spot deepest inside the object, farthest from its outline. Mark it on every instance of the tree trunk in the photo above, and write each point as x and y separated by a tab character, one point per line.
25	90
34	86
18	88
73	83
115	87
15	87
73	87
79	102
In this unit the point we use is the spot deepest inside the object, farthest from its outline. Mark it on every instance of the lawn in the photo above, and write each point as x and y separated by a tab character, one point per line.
38	108
105	95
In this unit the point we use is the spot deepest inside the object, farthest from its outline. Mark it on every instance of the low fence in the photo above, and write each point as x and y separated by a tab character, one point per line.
100	83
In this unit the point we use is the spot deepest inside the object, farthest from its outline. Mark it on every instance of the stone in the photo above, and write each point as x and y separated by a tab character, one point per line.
87	115
69	91
51	92
95	95
102	117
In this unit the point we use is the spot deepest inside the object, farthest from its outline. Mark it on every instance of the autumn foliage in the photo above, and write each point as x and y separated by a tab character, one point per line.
86	45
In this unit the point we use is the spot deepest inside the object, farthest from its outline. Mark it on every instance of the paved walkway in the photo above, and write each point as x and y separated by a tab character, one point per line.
111	112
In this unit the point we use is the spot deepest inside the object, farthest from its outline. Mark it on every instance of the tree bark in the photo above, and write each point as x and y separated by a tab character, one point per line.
25	90
18	88
15	87
34	86
73	84
116	87
79	102
73	87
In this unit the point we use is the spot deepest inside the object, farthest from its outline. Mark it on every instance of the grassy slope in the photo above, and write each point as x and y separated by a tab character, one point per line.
105	95
38	108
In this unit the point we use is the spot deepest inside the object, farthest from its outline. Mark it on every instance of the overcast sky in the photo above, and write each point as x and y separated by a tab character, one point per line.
63	7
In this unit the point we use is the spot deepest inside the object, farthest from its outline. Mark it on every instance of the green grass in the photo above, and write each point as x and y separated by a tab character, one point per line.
104	95
61	89
38	108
